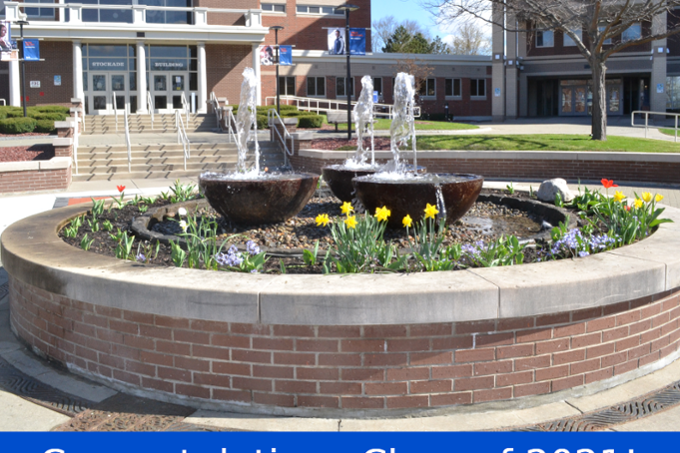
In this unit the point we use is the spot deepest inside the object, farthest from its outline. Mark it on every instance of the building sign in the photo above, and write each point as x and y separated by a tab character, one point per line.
357	41
168	64
286	55
8	48
267	55
497	92
31	50
659	88
35	83
107	64
57	80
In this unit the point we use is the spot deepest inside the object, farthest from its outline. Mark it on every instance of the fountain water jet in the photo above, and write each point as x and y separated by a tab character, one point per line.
407	192
249	196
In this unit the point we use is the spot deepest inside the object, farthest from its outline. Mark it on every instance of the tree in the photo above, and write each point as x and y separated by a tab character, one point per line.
403	41
418	69
439	47
599	28
469	39
385	27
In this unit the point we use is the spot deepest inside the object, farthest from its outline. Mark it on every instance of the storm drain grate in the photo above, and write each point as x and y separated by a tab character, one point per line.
14	381
626	412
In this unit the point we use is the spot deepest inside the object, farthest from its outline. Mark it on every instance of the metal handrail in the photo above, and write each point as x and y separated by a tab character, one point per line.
647	126
150	106
185	105
232	130
127	140
115	109
3	101
182	137
273	118
319	105
76	141
216	108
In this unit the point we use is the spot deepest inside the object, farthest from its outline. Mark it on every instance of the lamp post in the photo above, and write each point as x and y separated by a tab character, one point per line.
276	29
348	9
21	24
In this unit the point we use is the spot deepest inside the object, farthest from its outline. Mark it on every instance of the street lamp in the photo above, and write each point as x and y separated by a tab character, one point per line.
348	9
21	24
276	29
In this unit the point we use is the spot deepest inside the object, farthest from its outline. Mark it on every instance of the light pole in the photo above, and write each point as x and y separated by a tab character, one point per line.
21	24
276	29
348	9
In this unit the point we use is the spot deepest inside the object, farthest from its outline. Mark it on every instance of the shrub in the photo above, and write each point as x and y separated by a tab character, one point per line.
297	114
48	116
44	126
15	113
310	122
52	109
262	122
17	125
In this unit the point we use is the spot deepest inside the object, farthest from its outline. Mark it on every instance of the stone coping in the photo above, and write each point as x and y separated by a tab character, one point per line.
33	253
495	155
55	163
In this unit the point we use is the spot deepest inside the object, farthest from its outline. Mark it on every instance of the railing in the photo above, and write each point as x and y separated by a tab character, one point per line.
3	101
182	137
232	130
127	140
76	141
647	126
273	120
115	109
185	105
138	16
151	106
339	105
217	109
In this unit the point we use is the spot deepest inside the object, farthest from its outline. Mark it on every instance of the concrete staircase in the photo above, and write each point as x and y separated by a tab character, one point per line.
158	161
163	123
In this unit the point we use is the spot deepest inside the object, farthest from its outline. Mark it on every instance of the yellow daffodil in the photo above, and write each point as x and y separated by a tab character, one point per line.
351	222
618	196
638	203
382	214
431	211
346	207
647	197
322	220
659	197
408	221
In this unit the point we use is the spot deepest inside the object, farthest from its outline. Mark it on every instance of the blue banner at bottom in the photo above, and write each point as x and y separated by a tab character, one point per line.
238	442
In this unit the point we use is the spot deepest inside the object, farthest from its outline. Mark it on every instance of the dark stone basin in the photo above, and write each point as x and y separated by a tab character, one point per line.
272	199
410	196
339	179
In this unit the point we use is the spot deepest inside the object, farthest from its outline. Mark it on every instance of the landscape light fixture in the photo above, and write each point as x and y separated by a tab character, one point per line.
348	9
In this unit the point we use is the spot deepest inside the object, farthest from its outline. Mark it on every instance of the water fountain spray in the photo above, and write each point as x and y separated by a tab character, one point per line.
246	121
363	118
403	120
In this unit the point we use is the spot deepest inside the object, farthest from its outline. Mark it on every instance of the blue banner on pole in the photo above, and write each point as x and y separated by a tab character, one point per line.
357	41
31	50
286	55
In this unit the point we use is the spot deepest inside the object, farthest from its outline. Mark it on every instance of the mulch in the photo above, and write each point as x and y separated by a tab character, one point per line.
26	153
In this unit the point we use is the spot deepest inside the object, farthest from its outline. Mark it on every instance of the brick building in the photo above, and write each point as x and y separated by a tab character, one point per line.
111	53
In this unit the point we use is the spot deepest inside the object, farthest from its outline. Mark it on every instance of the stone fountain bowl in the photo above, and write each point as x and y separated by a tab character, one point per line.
411	195
339	178
271	199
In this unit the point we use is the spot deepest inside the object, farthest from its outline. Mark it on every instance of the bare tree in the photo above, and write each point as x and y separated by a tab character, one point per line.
418	69
599	28
385	27
469	39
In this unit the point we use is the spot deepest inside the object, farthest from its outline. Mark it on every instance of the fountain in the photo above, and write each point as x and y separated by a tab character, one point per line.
404	191
250	196
339	177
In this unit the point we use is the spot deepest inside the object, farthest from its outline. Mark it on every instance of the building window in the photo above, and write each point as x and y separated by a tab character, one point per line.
568	42
167	17
452	87
545	38
340	87
318	10
631	33
601	29
125	15
287	86
40	13
478	88
316	86
273	8
377	85
427	88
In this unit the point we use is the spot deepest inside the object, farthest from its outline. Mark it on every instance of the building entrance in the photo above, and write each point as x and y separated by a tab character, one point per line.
108	91
167	89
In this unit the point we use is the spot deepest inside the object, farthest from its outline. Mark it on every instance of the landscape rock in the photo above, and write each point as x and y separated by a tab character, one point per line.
550	188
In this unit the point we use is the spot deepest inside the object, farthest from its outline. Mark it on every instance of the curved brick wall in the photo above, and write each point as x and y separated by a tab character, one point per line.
349	367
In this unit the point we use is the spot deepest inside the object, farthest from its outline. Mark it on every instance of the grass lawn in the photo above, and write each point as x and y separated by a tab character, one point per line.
670	132
383	124
545	143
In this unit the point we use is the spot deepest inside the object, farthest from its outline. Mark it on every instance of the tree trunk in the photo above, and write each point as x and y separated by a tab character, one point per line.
599	129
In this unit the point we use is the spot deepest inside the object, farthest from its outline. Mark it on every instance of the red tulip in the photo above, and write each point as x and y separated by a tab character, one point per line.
627	208
608	183
120	188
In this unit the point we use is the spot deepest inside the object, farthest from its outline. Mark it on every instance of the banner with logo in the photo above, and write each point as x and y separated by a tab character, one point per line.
31	50
286	55
8	48
267	55
357	41
336	41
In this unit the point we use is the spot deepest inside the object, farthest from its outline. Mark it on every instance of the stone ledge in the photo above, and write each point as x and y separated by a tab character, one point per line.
56	163
32	252
63	141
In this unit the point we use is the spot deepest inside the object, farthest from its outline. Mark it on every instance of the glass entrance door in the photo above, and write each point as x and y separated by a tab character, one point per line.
108	91
166	91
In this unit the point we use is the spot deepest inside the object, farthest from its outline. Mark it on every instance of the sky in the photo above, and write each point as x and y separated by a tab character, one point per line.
402	10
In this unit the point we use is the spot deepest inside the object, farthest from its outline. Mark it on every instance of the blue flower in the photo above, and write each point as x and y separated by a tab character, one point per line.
583	254
252	248
140	257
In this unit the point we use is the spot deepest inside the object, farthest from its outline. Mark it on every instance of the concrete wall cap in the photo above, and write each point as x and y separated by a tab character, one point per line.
62	141
303	135
65	124
56	163
6	167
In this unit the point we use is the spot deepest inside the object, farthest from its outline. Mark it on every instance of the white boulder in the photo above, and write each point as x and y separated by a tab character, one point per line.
550	188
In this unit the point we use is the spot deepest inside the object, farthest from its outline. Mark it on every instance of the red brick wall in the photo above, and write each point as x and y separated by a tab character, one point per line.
349	367
225	64
58	57
227	18
35	180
